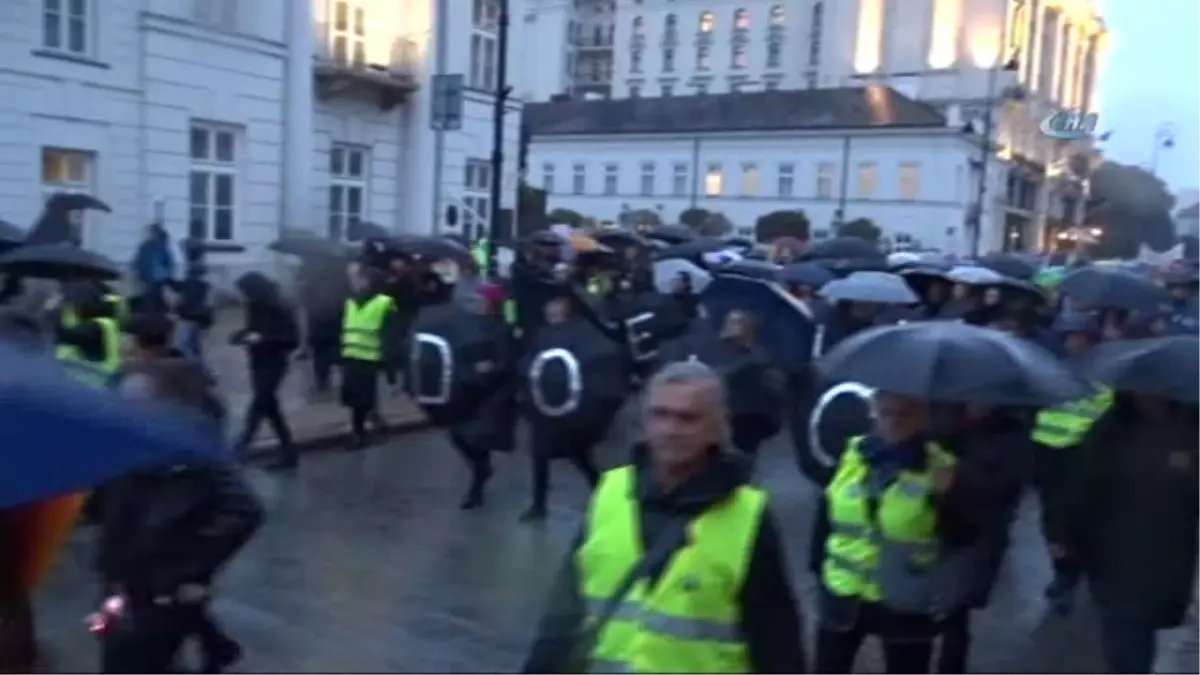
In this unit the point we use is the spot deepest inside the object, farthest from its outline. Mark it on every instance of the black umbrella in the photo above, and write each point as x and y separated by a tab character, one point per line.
671	234
575	379
1164	366
691	250
954	363
544	238
753	269
805	274
649	320
883	288
743	243
1010	265
433	248
58	261
54	225
309	246
11	236
362	229
1106	287
844	248
620	238
448	344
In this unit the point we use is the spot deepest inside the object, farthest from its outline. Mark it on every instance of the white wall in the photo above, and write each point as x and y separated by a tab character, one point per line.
935	216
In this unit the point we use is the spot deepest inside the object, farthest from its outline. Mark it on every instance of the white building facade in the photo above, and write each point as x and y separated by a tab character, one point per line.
229	120
912	179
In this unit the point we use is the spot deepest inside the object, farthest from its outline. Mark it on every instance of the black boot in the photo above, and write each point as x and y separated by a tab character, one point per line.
474	497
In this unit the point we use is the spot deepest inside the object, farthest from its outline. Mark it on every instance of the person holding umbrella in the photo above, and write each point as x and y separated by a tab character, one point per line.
1130	515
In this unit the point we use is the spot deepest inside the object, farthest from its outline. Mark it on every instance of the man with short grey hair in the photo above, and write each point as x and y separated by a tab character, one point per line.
679	567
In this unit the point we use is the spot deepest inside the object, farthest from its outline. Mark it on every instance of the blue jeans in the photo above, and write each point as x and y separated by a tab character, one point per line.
190	339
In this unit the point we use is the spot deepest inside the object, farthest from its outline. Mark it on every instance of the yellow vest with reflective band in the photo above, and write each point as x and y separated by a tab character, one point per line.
1065	425
597	285
688	622
480	254
865	557
120	308
362	328
510	312
93	373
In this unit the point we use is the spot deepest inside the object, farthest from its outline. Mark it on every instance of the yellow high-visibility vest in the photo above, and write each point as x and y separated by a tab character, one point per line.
1065	425
362	328
79	368
867	555
689	621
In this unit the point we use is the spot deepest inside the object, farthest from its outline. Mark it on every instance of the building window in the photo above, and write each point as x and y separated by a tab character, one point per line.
348	34
668	90
867	179
634	91
213	182
810	80
477	190
712	180
737	56
741	19
777	15
68	171
825	180
700	88
548	178
679	180
749	179
647	179
610	179
707	22
910	181
347	190
639	26
787	180
703	58
774	53
814	35
770	85
66	25
668	59
485	18
635	60
578	179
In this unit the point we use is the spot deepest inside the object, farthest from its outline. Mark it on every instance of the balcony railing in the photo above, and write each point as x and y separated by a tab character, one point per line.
344	66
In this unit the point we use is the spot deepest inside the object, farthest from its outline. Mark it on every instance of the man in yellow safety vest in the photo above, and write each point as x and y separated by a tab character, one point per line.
88	337
365	320
679	566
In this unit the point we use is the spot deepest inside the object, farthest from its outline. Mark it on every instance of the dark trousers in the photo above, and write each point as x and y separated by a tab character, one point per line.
478	459
1127	644
324	357
956	642
264	407
581	459
907	639
146	640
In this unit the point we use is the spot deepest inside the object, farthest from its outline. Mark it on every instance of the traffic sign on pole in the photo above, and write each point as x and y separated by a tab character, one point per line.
446	102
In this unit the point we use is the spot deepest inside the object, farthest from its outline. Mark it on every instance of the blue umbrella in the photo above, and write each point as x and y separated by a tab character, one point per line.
61	437
878	287
806	274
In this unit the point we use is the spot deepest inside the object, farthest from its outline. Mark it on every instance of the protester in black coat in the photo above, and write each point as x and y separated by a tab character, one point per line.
324	287
270	335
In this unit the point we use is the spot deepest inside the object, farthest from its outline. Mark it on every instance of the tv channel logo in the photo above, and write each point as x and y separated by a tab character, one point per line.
1069	125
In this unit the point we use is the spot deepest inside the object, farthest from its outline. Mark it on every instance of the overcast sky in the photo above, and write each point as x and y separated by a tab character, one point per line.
1153	79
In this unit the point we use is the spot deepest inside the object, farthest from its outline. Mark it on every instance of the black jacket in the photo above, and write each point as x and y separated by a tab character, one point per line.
167	527
770	619
268	315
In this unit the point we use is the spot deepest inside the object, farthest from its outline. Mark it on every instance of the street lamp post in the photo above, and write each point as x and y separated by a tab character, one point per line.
501	99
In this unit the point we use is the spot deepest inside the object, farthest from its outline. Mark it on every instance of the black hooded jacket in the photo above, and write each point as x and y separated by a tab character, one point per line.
268	315
770	619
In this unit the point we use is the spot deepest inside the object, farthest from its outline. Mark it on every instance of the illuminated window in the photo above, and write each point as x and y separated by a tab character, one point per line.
777	15
741	19
703	58
348	34
713	180
707	22
910	181
867	179
749	179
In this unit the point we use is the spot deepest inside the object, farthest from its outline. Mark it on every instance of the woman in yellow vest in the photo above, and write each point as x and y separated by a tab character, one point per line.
365	351
679	567
885	518
87	337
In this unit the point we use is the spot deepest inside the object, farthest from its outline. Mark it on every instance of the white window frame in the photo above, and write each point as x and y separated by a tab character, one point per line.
213	170
737	56
777	15
714	180
750	179
60	23
679	180
774	56
76	174
579	179
348	41
868	180
635	91
741	19
612	174
635	60
703	58
345	181
647	179
548	177
824	180
785	183
477	197
909	181
485	22
668	59
667	90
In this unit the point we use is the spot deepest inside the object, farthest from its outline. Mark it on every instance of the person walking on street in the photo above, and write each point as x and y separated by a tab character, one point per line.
366	322
679	566
270	335
153	270
324	287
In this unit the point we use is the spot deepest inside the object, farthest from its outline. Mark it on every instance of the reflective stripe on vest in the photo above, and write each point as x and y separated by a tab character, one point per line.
689	620
362	328
510	312
480	254
118	306
872	559
1065	425
93	373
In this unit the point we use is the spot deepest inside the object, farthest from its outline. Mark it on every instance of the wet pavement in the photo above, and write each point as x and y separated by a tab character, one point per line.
367	565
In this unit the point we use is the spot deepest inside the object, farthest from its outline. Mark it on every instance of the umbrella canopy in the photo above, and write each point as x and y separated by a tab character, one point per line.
620	238
63	437
1010	265
11	234
433	248
953	362
583	243
786	327
879	287
667	271
1049	278
693	250
753	269
309	246
1107	287
362	229
743	243
844	248
58	261
805	274
902	259
671	234
1164	366
54	224
974	275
